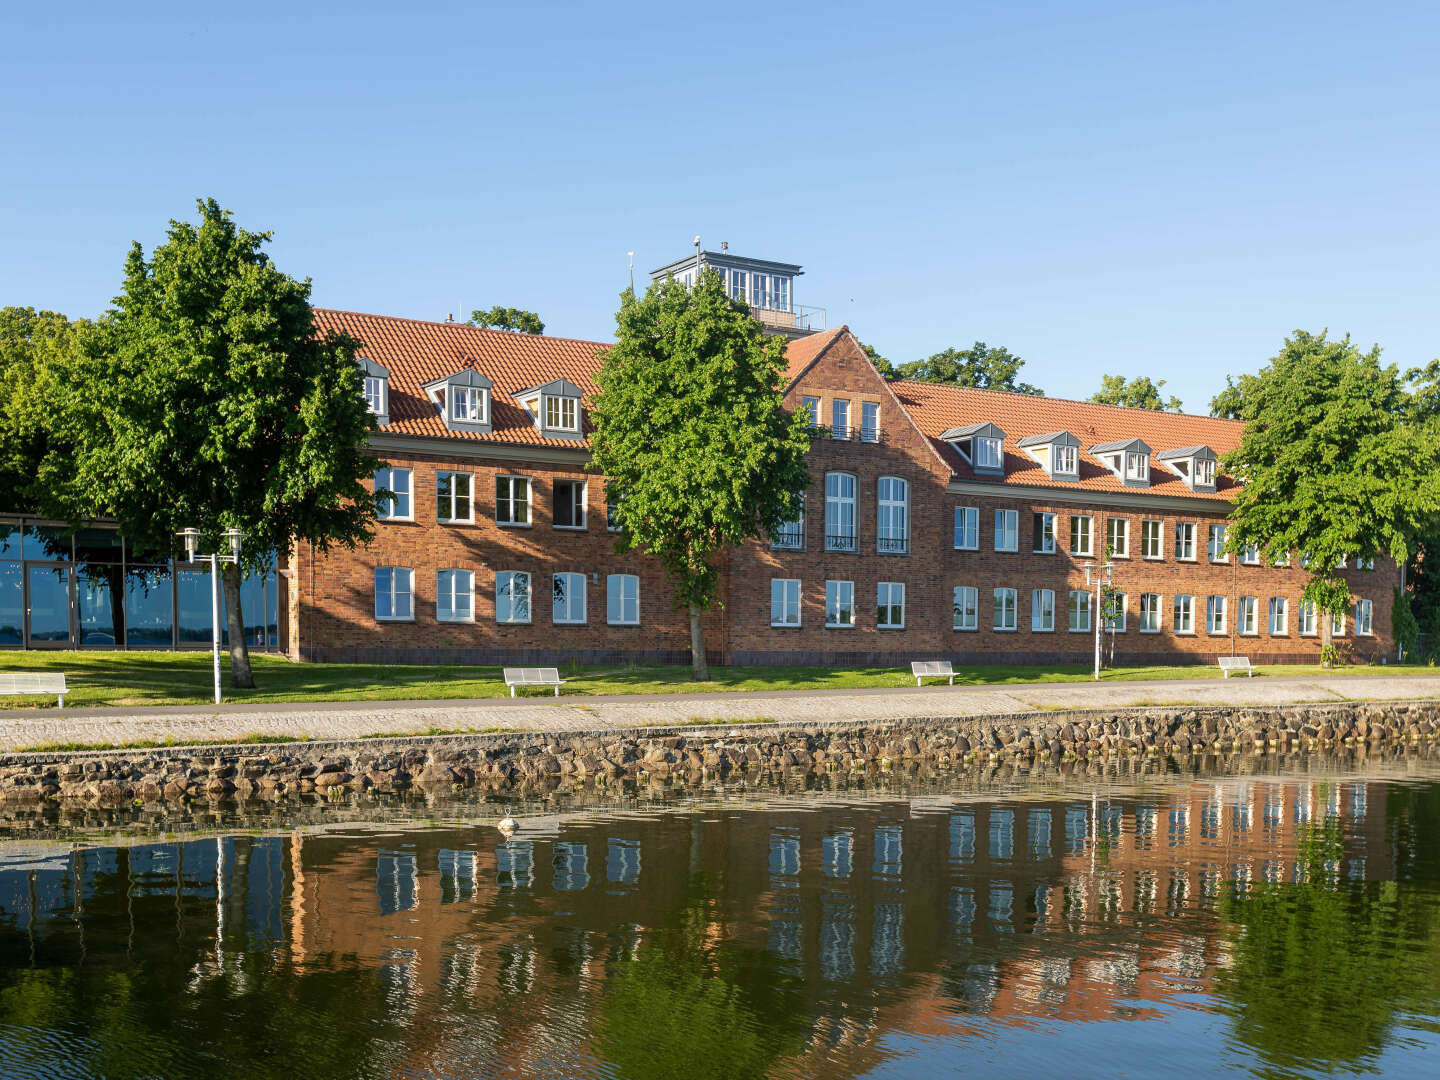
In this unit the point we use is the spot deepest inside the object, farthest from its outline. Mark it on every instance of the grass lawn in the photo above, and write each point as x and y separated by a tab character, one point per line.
117	678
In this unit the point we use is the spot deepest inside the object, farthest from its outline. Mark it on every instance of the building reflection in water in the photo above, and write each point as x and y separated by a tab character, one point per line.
885	915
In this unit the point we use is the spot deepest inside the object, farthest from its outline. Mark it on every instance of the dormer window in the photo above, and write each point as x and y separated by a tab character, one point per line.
555	408
982	445
1058	453
462	400
1196	465
1128	459
376	389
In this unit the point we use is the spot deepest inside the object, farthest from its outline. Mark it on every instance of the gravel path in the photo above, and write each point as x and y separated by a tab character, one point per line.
26	729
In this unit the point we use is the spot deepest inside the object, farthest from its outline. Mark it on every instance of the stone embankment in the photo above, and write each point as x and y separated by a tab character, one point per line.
529	760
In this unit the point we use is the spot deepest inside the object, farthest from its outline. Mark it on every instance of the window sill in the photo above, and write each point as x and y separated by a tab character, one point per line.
514	524
785	626
1042	629
975	548
1151	631
1086	630
569	622
609	622
1003	629
879	627
569	528
1184	633
394	618
1042	551
454	521
514	622
396	520
1081	555
839	626
1153	558
450	622
1008	551
966	629
1186	558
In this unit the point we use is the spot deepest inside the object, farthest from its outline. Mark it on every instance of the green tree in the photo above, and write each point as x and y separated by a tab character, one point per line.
1137	393
210	400
34	346
983	366
883	366
508	318
1226	404
692	435
1333	464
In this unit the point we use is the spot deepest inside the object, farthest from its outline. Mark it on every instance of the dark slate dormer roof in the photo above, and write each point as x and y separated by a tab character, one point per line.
469	377
555	388
1054	438
1120	445
1188	452
985	430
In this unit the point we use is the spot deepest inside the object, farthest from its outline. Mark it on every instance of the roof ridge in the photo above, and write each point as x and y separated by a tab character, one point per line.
507	334
1065	401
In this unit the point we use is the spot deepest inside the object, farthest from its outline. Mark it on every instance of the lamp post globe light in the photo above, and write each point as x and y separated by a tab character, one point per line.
1104	574
233	537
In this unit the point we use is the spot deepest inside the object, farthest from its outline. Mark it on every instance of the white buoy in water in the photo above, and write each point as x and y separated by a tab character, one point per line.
508	824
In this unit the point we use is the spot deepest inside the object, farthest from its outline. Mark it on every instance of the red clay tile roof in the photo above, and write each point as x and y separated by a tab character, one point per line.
802	352
417	353
937	407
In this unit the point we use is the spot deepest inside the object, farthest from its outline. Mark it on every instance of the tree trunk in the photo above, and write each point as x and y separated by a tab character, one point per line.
698	671
1327	628
240	676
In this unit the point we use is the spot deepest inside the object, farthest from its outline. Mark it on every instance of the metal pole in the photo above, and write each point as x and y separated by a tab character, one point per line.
215	618
1096	617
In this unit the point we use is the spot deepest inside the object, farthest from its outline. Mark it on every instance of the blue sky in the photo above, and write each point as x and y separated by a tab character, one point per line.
1150	188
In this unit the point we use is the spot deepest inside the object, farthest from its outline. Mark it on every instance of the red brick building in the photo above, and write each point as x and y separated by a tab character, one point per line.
941	522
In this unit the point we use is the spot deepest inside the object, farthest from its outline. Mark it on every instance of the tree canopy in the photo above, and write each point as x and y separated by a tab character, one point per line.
208	399
1335	462
691	433
1137	393
987	367
34	346
508	318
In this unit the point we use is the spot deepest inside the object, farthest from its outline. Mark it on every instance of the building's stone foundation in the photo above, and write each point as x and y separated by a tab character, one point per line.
531	761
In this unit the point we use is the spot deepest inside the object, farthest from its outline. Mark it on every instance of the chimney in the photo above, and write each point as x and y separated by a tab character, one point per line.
449	316
724	245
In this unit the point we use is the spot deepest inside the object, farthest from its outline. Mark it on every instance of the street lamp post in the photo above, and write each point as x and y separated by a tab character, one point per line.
192	544
1104	574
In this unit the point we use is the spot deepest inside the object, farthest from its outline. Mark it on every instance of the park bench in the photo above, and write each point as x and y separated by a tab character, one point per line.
1235	663
34	682
533	676
925	669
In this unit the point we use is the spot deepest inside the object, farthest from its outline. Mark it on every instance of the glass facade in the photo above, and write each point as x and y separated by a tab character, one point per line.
92	588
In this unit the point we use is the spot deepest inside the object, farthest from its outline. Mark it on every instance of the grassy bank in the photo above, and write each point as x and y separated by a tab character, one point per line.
131	679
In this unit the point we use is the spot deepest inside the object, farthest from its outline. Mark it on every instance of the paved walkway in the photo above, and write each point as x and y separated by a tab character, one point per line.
25	729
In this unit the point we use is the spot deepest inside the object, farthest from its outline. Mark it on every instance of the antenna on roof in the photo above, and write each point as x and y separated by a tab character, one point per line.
631	256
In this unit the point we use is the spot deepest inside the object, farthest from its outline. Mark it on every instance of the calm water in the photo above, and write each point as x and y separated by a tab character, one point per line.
1285	925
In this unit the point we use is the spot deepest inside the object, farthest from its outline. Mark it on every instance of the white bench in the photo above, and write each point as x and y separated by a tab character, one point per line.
34	682
533	676
1235	663
926	669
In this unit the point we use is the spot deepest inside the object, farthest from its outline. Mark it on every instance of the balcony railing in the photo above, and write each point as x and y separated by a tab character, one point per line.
893	545
795	317
848	434
840	542
788	538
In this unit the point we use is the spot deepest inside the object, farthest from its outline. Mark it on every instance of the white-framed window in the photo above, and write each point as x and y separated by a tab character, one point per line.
1204	471
1117	605
840	511
892	513
512	500
375	394
1364	562
568	598
512	596
1117	536
452	497
1004	610
839	418
397	506
869	421
791	534
1063	460
737	284
1137	466
1215	614
1042	611
890	605
455	595
622	599
1185	541
612	522
562	413
760	290
839	604
1250	555
1082	539
989	453
1306	621
1279	616
1184	614
966	602
784	601
1079	611
1279	558
811	405
1149	613
1007	530
1337	625
967	528
468	404
1217	544
780	292
1364	617
1152	539
568	504
1043	532
394	593
1247	615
